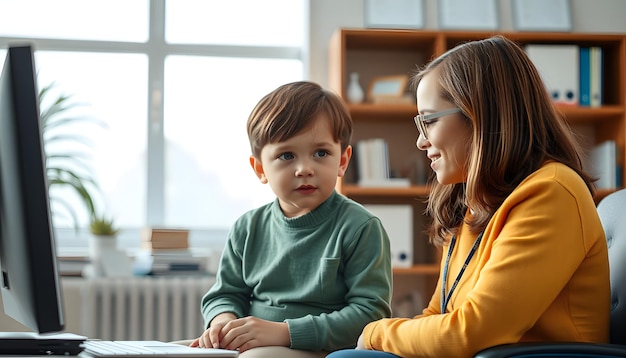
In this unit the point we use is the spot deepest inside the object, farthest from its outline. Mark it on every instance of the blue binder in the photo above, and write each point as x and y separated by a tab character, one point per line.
585	76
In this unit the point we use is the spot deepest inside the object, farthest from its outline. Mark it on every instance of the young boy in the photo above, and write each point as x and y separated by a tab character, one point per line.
303	275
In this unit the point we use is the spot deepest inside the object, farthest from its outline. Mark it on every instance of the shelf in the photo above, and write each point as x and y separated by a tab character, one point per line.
379	52
351	190
591	115
385	39
376	112
403	112
412	192
432	269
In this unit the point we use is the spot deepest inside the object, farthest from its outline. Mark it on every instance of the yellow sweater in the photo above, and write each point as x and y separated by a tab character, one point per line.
540	273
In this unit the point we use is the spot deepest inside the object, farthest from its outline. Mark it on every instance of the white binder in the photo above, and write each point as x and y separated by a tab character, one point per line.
559	69
398	222
603	164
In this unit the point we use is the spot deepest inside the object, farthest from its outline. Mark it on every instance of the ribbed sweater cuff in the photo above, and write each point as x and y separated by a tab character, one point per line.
302	333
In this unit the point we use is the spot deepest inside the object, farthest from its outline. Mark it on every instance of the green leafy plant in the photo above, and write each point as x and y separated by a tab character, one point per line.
67	163
102	226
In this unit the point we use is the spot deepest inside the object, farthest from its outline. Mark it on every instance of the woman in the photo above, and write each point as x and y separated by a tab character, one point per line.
524	253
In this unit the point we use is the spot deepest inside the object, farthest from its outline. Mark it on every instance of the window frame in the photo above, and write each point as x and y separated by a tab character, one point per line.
157	49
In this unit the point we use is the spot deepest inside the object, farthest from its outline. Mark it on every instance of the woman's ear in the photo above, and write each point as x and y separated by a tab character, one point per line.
344	161
257	166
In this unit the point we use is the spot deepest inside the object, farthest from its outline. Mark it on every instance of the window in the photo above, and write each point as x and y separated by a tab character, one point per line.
61	19
174	81
207	148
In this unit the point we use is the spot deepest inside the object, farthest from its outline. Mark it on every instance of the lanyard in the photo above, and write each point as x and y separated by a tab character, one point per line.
446	298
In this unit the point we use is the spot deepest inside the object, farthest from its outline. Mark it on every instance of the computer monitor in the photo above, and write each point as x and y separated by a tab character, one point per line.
30	282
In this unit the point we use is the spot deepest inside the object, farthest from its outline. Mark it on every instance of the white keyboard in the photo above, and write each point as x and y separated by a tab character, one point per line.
117	349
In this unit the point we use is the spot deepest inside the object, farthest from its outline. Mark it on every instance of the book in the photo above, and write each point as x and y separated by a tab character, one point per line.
72	265
362	155
386	183
164	238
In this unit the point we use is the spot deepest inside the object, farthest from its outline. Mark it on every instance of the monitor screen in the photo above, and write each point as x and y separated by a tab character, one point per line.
29	282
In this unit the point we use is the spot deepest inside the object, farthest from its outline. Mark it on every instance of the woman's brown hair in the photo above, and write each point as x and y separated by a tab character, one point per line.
515	130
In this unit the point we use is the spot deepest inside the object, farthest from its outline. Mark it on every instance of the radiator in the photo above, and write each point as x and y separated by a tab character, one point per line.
163	308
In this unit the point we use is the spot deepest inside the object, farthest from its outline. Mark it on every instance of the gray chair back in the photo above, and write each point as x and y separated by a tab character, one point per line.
612	211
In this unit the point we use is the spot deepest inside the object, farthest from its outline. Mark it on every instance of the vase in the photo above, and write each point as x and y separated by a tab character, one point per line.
355	92
106	260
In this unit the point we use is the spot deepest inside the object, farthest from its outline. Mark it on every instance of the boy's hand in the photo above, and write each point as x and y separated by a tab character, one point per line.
211	337
250	332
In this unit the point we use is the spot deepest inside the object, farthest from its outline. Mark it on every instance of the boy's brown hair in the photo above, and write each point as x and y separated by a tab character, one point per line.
292	107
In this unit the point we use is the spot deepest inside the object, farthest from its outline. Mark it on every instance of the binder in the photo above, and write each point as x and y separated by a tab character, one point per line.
585	76
559	69
398	222
596	76
603	164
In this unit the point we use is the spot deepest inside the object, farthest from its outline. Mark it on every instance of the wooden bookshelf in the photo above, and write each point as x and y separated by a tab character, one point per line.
380	52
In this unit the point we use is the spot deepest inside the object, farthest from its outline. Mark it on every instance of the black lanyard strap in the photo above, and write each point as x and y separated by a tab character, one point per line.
446	298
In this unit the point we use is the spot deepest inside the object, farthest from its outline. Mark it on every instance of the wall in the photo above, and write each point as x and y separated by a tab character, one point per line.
597	16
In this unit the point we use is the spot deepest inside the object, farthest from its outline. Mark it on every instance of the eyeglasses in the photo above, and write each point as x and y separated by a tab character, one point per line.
422	120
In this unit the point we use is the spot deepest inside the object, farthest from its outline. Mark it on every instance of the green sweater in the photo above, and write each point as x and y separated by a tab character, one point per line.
327	273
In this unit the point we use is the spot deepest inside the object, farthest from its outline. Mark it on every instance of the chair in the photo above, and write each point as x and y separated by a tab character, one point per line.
612	211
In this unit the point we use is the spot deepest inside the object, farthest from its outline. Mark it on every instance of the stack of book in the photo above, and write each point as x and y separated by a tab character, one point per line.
71	261
72	265
169	263
166	252
372	157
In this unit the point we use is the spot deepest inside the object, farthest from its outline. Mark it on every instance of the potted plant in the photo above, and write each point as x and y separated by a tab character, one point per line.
67	167
66	162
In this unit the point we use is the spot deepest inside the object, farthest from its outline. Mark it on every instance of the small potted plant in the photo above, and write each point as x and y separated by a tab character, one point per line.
103	230
102	226
106	259
103	237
